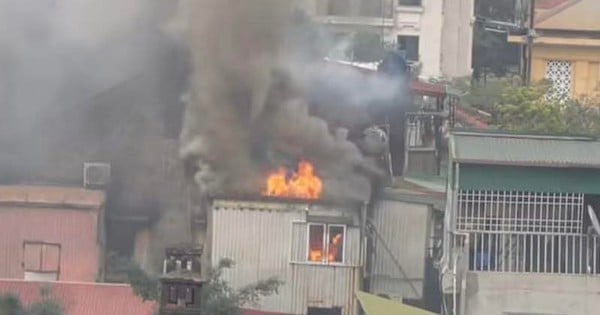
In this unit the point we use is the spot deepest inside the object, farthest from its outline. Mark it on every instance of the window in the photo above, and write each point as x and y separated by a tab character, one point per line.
172	295
410	46
559	73
41	260
409	2
326	243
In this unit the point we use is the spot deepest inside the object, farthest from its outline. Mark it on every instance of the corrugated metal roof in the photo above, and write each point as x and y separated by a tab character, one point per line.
82	298
524	150
52	196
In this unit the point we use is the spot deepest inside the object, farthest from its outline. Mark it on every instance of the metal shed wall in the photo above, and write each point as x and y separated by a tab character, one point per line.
405	229
263	243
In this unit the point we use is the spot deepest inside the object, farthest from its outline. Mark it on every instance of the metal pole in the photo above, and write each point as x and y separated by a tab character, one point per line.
530	29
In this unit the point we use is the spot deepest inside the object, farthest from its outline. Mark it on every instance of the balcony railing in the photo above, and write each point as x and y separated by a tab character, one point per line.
531	253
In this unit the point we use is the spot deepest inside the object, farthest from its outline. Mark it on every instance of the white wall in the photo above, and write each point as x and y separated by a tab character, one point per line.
430	43
539	294
457	38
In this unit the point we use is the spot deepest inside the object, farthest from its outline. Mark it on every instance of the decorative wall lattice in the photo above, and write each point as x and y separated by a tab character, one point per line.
559	72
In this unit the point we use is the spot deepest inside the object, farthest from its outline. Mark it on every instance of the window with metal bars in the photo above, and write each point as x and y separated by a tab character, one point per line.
519	212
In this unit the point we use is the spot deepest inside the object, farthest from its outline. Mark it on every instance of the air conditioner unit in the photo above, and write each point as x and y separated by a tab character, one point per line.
96	175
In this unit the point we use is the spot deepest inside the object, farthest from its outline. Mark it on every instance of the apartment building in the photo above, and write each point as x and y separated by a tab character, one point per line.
436	36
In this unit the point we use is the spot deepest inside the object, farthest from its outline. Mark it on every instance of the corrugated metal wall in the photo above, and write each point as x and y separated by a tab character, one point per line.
75	230
405	228
264	243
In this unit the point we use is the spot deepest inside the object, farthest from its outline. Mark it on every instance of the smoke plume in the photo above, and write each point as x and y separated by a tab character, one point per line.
249	111
90	81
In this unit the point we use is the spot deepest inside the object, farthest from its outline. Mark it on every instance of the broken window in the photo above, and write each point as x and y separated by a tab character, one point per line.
326	243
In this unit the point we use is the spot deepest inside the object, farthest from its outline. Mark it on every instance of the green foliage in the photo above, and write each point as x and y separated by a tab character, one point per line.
218	297
518	108
11	305
527	109
483	95
144	285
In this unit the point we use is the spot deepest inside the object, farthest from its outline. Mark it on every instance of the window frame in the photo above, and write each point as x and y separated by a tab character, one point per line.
326	236
41	263
416	39
419	4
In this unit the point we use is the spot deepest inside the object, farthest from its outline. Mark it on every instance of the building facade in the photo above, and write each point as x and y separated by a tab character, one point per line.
566	47
315	249
519	235
51	233
435	35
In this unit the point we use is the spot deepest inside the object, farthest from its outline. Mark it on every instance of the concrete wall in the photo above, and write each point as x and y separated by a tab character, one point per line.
537	294
430	43
457	38
585	61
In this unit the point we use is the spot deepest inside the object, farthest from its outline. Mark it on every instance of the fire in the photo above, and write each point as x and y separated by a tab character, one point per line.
303	183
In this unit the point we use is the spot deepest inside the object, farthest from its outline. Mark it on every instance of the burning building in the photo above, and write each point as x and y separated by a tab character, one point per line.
315	248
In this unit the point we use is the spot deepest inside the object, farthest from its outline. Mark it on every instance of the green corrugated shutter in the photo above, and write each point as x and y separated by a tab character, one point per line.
532	179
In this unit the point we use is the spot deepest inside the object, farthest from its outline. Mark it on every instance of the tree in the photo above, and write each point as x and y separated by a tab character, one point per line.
529	109
11	305
218	297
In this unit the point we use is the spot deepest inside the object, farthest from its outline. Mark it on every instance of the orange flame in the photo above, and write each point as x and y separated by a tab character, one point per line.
302	184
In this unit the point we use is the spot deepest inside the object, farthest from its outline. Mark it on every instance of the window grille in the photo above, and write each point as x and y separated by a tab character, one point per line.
559	73
557	254
519	212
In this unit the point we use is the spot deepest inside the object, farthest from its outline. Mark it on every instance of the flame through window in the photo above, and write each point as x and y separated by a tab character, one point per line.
326	243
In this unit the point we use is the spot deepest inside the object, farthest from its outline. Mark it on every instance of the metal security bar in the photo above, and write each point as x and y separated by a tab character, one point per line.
557	254
519	212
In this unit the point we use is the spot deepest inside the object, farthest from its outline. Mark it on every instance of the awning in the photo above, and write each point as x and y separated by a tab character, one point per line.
374	305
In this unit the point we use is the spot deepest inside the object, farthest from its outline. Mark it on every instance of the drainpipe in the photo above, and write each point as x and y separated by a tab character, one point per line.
463	284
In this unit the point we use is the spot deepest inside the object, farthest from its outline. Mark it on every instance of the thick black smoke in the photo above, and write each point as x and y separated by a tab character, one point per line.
249	110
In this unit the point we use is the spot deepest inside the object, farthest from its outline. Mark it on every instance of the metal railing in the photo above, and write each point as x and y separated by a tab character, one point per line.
519	212
531	253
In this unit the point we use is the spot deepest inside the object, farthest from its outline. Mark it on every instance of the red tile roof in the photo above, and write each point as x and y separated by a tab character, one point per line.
73	223
83	298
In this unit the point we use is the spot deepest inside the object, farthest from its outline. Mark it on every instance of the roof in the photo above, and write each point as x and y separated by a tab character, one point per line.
82	298
571	15
549	4
422	190
51	196
499	148
374	305
417	86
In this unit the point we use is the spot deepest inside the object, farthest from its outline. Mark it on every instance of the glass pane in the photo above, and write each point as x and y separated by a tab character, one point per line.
316	250
32	257
50	258
336	244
